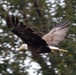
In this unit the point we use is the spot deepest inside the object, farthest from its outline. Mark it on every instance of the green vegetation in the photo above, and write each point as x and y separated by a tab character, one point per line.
41	14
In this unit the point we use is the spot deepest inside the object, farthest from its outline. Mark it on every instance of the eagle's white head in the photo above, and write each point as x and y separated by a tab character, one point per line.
23	47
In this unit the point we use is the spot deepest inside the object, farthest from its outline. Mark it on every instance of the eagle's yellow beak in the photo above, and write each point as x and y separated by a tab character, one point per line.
23	47
20	48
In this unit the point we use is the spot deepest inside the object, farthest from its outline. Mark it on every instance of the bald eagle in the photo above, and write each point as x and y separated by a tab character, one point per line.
34	42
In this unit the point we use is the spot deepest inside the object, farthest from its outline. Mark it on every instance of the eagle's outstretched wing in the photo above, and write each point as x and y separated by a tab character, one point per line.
27	34
57	34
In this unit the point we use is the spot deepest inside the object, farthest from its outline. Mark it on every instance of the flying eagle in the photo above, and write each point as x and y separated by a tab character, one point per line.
34	42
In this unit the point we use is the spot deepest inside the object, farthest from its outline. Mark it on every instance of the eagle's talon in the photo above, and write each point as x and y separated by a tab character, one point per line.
53	50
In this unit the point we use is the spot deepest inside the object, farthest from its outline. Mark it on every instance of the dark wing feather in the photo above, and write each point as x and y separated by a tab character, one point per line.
27	34
57	34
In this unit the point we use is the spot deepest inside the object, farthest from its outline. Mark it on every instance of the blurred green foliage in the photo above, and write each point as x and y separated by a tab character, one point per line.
41	14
